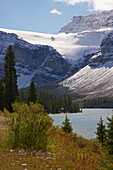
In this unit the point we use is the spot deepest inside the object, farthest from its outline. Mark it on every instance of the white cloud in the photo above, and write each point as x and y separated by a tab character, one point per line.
55	11
71	2
103	4
96	4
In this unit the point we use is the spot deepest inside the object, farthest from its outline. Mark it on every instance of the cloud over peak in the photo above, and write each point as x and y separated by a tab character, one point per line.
100	5
55	11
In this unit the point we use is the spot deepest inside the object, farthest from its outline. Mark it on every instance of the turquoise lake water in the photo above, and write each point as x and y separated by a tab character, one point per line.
84	123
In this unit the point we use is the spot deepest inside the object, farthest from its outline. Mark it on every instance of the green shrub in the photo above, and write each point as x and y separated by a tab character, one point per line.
28	126
95	145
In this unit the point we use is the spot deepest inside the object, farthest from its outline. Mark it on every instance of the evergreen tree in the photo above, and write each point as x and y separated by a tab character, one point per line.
10	79
32	93
22	98
65	104
66	125
75	108
1	95
53	104
101	131
109	141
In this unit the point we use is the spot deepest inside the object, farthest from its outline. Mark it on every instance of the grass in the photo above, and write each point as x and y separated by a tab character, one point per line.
65	152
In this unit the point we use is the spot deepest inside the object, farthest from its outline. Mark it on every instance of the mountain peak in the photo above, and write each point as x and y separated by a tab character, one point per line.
90	22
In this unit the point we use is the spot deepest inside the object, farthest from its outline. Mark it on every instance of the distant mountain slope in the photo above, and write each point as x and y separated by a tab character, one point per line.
91	22
41	63
96	79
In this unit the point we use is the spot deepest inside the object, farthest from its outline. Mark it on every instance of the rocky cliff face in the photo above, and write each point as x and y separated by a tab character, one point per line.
105	53
90	22
41	63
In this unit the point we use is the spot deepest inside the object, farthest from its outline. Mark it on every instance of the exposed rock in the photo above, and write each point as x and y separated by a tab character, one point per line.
105	53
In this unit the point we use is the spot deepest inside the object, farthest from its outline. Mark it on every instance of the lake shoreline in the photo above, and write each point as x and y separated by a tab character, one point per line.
82	110
64	113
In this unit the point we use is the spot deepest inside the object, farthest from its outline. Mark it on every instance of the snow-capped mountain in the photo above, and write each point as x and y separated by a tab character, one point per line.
41	63
90	22
59	55
96	79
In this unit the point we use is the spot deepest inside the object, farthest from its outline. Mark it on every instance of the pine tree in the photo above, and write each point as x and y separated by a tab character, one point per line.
69	104
109	141
66	125
10	79
1	95
32	93
101	131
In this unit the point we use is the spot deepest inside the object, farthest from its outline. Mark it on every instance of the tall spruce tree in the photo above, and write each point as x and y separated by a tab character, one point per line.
1	95
101	132
10	79
32	93
109	141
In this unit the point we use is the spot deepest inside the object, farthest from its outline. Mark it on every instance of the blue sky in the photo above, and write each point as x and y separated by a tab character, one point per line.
46	16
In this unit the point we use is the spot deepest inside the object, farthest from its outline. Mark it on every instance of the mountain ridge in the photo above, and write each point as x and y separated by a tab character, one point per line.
90	22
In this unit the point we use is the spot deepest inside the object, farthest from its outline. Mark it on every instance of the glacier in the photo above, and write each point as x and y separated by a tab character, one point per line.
73	46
